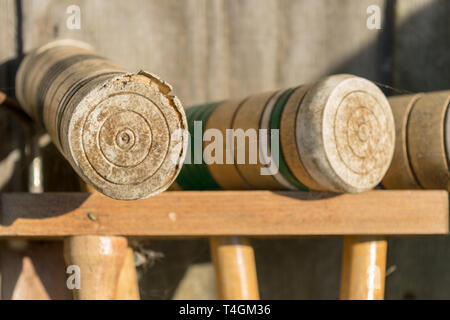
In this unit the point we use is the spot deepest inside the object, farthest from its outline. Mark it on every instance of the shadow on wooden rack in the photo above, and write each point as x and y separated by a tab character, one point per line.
243	213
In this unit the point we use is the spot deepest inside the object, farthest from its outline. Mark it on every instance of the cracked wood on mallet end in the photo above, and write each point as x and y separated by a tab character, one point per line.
122	132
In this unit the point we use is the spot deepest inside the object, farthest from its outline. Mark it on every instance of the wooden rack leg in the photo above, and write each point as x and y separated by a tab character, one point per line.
100	260
127	288
234	262
363	268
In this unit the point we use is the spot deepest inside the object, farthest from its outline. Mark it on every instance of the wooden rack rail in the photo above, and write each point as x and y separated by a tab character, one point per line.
235	213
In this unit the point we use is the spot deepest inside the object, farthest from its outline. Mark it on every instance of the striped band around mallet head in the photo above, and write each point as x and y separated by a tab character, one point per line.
336	135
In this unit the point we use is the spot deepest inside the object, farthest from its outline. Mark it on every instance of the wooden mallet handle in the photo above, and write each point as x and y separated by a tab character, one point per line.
234	262
100	260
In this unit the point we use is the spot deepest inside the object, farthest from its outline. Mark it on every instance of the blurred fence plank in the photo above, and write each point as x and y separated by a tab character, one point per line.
421	61
12	162
219	49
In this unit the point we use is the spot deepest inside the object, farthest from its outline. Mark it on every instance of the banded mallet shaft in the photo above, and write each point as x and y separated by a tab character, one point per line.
335	135
121	132
422	152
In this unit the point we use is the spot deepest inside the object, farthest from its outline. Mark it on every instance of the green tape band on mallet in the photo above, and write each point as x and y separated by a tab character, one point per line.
196	176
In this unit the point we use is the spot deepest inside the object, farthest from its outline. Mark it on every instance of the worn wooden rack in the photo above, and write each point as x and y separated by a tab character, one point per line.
84	220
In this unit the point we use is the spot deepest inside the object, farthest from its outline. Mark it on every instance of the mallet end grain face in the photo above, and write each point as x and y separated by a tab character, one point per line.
127	137
346	133
123	133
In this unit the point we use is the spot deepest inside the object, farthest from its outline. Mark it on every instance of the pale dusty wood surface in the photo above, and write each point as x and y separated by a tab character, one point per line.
363	268
100	260
235	269
217	213
346	133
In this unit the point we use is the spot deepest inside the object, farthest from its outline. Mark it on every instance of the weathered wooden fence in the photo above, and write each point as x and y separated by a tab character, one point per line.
218	49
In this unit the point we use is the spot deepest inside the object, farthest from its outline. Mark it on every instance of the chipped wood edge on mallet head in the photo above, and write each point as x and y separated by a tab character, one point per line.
123	133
